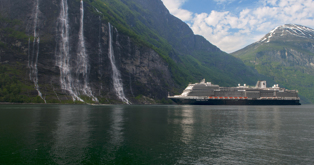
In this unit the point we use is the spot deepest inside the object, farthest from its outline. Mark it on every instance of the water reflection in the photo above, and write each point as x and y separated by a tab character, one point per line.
117	126
71	136
187	124
243	118
115	135
277	124
225	132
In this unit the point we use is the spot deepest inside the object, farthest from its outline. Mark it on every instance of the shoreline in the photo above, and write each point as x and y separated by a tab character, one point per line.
10	103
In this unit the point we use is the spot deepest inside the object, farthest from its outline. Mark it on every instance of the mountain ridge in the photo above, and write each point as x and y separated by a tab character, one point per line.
289	29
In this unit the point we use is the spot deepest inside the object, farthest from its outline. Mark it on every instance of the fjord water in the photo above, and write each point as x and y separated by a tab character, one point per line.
117	134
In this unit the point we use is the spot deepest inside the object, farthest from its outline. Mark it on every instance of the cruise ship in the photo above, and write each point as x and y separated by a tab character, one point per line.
206	93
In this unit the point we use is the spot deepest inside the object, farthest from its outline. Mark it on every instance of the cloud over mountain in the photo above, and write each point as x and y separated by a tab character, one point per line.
231	30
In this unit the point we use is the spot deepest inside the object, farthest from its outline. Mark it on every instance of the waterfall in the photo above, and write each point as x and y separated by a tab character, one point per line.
83	68
32	63
100	54
36	72
98	11
76	83
63	52
28	54
117	82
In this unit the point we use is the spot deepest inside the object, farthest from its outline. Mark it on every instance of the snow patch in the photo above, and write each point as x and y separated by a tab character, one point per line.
289	29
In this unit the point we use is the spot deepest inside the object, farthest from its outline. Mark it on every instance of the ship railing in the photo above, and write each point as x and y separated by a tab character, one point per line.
232	98
278	98
225	97
188	97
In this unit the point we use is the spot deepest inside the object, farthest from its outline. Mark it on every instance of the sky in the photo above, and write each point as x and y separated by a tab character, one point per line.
234	24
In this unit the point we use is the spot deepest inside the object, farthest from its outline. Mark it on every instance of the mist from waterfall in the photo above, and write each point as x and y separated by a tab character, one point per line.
116	77
33	57
82	60
63	52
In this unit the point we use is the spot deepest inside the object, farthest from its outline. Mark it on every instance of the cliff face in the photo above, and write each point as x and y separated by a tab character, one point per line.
286	55
68	52
177	33
108	51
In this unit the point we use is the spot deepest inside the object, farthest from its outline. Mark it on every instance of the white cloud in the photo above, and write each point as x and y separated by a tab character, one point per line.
231	32
174	7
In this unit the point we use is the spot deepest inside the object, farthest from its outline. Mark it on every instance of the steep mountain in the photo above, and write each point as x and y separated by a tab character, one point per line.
287	55
195	58
107	51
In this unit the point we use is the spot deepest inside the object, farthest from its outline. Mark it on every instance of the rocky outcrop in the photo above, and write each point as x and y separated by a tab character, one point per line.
288	57
176	32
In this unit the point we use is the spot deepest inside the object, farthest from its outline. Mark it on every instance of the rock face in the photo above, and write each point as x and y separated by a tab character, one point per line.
68	66
286	54
177	33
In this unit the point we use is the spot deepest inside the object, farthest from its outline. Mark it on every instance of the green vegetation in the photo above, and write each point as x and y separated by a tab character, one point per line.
8	31
16	90
2	45
12	89
251	53
117	13
165	101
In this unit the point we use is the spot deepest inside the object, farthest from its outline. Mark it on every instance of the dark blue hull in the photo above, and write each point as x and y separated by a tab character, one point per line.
234	102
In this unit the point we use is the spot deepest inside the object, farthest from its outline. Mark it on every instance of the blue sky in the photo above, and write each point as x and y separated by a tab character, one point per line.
234	24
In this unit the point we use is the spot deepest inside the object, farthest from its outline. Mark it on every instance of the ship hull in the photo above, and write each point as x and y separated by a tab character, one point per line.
234	102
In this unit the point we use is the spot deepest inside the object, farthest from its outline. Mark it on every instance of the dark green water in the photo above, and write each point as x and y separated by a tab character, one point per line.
76	134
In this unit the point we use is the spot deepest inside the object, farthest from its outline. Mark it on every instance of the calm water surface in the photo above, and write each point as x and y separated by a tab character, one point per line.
82	134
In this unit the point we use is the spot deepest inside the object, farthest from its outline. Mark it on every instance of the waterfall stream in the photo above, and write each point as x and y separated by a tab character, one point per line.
73	79
116	77
100	55
63	52
83	66
33	58
28	53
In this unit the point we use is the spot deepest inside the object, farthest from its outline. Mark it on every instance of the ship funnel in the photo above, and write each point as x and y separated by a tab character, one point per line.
203	81
261	84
